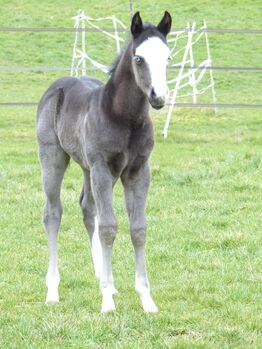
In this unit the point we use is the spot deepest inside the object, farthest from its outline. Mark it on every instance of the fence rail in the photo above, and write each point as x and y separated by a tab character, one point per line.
255	69
73	30
182	105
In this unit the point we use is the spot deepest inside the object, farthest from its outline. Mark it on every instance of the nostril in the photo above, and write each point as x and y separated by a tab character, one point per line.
153	93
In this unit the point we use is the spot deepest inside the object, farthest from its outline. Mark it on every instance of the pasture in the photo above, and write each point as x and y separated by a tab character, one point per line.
204	206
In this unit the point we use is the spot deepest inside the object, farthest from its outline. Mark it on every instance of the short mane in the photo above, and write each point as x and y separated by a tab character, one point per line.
113	67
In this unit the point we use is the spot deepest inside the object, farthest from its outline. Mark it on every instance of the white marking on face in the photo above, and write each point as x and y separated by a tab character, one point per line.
155	52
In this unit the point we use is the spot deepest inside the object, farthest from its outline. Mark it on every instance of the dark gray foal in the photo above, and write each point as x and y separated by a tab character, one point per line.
106	129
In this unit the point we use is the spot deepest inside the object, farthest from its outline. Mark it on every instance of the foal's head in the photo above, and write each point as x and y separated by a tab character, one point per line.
150	57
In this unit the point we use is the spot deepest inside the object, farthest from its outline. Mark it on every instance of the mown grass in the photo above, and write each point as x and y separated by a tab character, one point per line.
204	205
204	244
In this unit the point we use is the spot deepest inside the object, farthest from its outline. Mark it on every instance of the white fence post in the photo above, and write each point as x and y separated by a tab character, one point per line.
192	63
189	77
173	101
83	43
72	72
210	71
116	34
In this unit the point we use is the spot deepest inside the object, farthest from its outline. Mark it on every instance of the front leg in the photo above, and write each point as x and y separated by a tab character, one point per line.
136	188
102	183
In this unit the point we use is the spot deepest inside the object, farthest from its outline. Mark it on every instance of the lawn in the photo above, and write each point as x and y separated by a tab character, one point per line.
204	206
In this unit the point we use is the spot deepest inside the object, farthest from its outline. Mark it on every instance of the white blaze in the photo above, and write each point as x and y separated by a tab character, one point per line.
156	53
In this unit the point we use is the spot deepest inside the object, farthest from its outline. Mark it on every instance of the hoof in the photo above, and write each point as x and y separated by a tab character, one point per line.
150	308
148	303
108	306
52	298
51	301
108	303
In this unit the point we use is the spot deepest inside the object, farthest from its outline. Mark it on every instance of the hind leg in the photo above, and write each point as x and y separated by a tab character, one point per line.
54	163
136	187
102	183
90	220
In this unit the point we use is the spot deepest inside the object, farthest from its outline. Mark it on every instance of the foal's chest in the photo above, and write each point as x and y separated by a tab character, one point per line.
133	152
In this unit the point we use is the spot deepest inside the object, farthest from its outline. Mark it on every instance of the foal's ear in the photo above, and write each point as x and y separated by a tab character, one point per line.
164	25
136	25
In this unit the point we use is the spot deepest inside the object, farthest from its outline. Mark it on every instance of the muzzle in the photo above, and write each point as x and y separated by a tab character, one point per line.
157	102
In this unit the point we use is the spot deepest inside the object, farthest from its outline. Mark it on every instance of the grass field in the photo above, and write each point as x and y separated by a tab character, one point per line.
204	206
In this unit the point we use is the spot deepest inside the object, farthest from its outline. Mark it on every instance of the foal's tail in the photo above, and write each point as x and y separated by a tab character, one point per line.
60	99
55	97
59	102
48	113
81	196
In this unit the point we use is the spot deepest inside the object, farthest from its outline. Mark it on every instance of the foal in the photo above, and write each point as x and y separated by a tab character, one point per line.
106	129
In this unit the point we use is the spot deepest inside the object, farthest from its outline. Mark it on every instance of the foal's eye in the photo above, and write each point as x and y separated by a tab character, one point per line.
138	59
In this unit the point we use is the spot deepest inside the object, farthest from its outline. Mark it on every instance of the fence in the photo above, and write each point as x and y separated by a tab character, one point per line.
191	105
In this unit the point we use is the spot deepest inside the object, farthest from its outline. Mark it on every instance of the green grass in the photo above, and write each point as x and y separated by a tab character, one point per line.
204	244
204	206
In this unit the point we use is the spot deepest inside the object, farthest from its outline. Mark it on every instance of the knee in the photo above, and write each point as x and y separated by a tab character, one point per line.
87	205
107	234
89	213
138	237
52	212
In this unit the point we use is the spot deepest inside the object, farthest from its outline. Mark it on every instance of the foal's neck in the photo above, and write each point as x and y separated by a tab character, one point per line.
124	99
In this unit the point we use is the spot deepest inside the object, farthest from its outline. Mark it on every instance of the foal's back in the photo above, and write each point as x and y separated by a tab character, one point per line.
81	88
62	109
